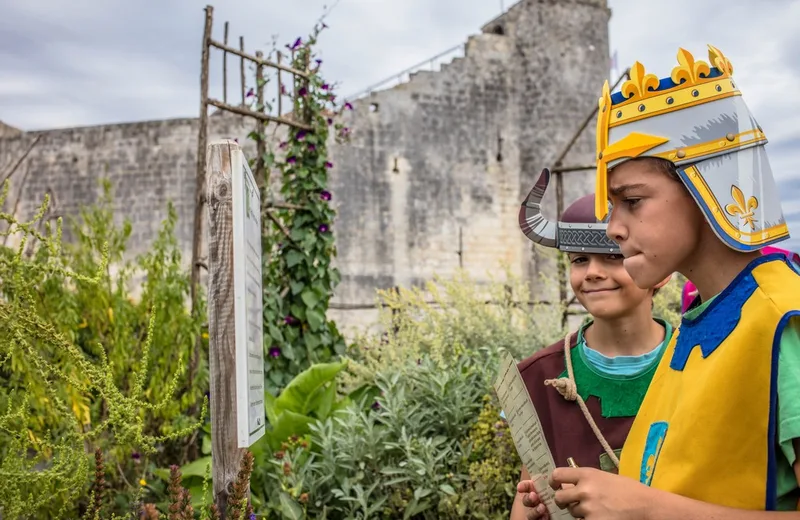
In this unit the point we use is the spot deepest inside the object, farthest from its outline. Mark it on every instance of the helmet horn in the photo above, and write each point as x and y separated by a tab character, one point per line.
531	220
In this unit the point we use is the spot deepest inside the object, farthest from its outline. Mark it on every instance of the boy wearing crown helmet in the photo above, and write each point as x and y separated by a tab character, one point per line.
683	163
588	387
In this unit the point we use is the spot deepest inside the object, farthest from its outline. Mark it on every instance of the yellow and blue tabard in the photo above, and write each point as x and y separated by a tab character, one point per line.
707	426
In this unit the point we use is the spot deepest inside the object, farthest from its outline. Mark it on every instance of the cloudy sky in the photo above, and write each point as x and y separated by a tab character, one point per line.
89	62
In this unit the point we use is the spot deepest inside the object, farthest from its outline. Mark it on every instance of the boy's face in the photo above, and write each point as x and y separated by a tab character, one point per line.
603	286
654	220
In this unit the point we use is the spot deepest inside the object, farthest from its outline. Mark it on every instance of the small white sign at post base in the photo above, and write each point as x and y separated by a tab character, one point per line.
249	318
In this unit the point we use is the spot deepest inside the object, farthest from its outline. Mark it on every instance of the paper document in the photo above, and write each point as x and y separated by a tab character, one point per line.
526	431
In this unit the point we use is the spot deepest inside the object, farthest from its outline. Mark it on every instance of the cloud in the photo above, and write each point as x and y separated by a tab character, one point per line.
105	61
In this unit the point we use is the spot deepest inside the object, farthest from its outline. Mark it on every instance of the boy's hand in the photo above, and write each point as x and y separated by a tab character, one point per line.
598	495
535	510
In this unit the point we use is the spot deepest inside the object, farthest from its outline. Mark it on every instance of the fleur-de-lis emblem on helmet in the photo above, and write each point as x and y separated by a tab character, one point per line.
744	210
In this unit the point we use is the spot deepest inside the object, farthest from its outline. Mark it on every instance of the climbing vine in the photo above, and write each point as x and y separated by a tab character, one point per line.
298	241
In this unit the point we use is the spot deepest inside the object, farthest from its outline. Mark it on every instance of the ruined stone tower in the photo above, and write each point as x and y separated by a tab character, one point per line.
448	154
453	152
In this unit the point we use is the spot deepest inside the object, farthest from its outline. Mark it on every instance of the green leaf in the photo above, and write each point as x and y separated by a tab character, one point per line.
315	318
287	351
312	342
290	508
297	286
299	393
447	488
196	468
276	377
289	423
271	408
298	312
294	257
325	403
275	333
310	298
365	395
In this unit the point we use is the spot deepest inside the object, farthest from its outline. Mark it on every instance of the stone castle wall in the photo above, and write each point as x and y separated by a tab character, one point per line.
455	149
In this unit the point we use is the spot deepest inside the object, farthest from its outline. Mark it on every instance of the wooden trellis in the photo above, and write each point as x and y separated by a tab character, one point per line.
225	453
260	115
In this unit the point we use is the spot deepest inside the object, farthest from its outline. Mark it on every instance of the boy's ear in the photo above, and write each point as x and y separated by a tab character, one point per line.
662	283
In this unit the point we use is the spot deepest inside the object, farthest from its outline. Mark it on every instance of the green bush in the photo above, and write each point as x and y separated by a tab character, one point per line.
421	436
448	317
84	366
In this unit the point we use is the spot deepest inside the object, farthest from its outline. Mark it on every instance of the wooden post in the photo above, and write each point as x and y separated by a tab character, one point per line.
225	67
261	145
235	318
202	138
241	70
280	88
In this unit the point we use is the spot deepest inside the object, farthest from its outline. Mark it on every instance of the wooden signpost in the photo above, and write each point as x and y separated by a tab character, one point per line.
235	321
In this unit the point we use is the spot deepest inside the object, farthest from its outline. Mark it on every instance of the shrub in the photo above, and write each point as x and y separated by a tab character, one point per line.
448	317
421	436
83	366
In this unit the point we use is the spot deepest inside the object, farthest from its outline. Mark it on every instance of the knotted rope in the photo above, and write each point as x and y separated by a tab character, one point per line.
568	389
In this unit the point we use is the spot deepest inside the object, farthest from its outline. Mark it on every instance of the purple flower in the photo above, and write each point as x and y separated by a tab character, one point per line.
274	351
291	160
252	516
323	228
290	320
250	92
302	92
319	61
330	121
311	148
301	135
328	164
325	86
136	456
325	195
283	89
283	145
297	43
348	106
376	405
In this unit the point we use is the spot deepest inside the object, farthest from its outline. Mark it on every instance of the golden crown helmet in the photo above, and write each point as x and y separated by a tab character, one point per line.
697	119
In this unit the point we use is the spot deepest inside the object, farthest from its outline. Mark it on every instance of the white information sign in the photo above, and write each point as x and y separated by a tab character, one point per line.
526	430
250	415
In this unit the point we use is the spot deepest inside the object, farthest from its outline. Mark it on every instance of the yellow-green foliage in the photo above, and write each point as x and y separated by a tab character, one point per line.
667	303
493	469
77	367
449	316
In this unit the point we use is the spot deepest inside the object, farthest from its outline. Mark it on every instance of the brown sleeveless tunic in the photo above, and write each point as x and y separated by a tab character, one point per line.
566	430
